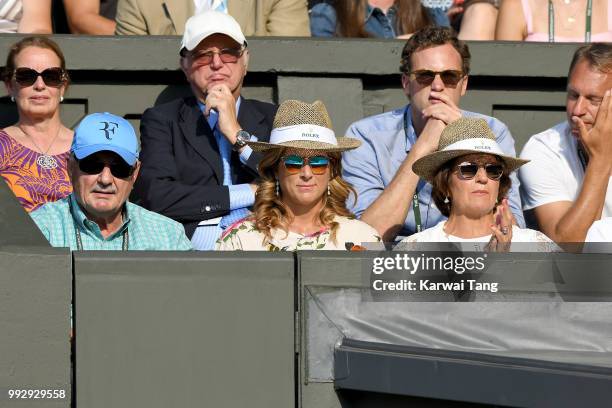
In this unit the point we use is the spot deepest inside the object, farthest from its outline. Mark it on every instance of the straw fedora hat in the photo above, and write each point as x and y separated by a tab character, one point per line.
304	126
461	137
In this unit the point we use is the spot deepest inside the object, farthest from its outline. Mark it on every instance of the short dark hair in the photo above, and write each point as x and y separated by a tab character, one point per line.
35	41
432	36
440	187
598	55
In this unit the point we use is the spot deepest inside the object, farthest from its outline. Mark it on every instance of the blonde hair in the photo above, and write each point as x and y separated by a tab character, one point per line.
269	210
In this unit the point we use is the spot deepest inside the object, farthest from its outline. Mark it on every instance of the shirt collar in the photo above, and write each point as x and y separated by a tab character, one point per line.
567	130
370	10
409	131
85	224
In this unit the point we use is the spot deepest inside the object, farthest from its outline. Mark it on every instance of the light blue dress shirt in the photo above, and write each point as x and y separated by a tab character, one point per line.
241	195
386	141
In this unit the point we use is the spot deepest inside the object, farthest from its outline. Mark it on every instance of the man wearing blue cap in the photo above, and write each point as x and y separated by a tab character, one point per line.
103	167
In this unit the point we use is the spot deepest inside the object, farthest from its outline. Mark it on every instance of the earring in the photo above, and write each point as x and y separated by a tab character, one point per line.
328	190
12	99
277	188
446	200
61	99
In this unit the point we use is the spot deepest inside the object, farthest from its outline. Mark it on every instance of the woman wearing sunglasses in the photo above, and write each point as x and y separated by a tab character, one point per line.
300	201
469	175
34	151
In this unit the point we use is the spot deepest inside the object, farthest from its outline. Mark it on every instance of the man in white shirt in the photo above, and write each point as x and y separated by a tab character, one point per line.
567	185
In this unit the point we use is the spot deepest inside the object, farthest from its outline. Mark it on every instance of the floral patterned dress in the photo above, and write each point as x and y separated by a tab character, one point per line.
32	184
244	236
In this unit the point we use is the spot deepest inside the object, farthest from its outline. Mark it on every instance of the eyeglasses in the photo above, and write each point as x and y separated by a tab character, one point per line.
54	77
450	77
227	55
294	163
95	165
468	170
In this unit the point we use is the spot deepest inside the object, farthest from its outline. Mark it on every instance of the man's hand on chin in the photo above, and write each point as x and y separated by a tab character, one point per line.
219	97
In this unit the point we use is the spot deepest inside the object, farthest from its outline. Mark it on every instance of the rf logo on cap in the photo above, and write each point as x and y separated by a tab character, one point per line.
109	128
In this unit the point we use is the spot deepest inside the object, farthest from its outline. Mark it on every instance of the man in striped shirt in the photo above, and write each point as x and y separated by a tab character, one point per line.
103	167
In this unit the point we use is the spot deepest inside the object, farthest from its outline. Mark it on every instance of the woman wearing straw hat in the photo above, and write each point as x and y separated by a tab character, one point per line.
300	202
469	174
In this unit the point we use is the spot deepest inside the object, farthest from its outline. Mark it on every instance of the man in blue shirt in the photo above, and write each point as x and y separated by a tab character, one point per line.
391	198
102	167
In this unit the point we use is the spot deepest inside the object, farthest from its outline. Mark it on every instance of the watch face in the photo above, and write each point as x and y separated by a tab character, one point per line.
243	136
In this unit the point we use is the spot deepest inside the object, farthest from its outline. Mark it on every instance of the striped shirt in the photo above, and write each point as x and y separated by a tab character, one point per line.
146	230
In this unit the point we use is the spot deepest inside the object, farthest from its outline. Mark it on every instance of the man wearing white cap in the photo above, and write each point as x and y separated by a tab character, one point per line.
257	17
197	168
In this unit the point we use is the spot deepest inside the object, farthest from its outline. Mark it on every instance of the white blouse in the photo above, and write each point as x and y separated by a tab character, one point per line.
519	235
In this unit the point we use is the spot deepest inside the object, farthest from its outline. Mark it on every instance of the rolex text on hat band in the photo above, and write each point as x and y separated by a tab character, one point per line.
306	132
479	144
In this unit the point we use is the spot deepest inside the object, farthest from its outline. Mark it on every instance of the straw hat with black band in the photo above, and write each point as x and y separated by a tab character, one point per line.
302	125
461	137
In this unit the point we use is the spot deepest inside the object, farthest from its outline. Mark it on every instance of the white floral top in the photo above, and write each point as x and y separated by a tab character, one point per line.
243	236
537	240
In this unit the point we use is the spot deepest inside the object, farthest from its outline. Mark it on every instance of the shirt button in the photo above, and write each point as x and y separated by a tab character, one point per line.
207	208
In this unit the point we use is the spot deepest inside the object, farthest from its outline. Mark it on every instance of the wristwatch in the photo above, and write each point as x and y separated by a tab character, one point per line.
241	138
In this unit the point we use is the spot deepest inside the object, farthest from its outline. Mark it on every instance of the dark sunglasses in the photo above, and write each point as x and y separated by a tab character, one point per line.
450	77
54	77
95	165
468	170
294	163
227	55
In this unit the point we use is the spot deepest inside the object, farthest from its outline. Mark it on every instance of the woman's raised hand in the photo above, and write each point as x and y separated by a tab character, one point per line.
502	229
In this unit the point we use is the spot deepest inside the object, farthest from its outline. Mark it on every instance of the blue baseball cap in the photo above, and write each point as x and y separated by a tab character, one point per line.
105	131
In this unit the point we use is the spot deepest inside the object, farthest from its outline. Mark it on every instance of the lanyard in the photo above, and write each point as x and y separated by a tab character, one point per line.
415	198
417	212
79	241
551	21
